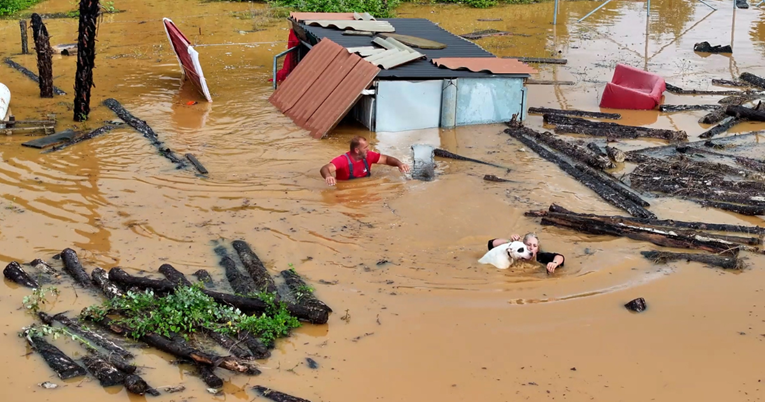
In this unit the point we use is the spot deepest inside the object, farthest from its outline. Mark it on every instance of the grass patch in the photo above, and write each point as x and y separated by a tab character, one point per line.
11	7
188	309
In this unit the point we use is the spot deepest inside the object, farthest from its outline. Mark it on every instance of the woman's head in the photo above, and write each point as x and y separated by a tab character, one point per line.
532	242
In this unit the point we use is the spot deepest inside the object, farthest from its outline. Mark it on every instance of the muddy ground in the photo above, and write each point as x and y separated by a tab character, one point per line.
398	257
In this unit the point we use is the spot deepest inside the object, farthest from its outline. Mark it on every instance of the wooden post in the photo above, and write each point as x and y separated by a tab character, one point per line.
44	56
24	46
86	56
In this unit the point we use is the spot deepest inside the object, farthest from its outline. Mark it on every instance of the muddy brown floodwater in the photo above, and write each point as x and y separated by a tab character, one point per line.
430	324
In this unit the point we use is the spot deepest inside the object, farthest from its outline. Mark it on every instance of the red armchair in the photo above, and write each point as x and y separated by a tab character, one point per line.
632	88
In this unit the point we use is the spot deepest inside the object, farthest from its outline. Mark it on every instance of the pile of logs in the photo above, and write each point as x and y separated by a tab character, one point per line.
108	358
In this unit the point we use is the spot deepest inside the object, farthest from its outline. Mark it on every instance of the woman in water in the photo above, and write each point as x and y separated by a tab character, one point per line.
551	260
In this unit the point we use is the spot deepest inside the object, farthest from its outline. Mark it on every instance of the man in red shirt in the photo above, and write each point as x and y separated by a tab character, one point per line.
357	163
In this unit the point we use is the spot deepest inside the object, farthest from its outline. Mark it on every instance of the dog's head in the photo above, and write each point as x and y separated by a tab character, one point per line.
518	251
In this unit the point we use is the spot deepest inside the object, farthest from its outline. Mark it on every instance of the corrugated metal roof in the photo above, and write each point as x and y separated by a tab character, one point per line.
300	17
476	64
396	54
368	26
418	69
323	87
363	17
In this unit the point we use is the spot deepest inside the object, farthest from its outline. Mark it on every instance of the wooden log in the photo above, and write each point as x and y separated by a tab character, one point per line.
44	56
748	210
530	81
254	266
663	257
749	163
596	149
725	125
240	283
491	177
258	349
573	151
605	192
204	277
89	136
43	267
86	58
107	375
182	350
231	345
136	385
614	184
32	76
173	275
276	396
538	60
729	83
579	113
208	376
116	361
686	108
245	304
86	333
14	273
302	293
24	37
680	91
616	130
753	79
446	154
198	165
143	128
739	100
62	364
674	146
664	223
714	116
616	154
73	267
745	112
101	280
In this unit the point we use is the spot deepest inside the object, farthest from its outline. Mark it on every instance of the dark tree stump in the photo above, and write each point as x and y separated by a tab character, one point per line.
15	273
86	58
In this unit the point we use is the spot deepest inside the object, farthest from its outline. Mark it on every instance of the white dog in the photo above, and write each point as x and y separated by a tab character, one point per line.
505	255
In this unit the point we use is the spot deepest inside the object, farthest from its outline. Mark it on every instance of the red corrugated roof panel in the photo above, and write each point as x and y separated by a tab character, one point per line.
488	64
323	87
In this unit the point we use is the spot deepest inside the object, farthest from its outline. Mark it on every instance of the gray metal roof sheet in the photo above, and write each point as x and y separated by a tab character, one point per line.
417	69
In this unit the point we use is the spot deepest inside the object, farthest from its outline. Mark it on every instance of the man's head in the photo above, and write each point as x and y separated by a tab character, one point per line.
359	147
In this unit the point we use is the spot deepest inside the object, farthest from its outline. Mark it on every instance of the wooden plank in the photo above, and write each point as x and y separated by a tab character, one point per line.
40	143
549	82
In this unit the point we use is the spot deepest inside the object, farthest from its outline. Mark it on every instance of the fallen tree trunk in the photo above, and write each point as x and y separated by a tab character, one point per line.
91	336
240	283
245	304
615	185
686	108
62	364
573	151
107	375
446	154
613	129
276	396
666	223
30	75
663	257
73	267
254	266
116	361
604	191
729	83
725	125
745	112
579	113
753	79
13	272
749	210
231	345
109	288
302	293
714	116
93	134
143	128
182	350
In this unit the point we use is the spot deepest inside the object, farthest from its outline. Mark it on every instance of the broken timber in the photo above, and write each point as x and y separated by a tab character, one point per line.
715	116
565	124
32	76
276	396
573	151
680	91
579	113
722	127
13	272
62	364
662	257
595	184
143	128
686	108
101	280
745	112
753	80
729	83
254	266
302	293
93	134
198	165
446	154
748	210
538	60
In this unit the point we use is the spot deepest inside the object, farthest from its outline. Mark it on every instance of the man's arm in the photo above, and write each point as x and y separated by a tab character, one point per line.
391	161
327	172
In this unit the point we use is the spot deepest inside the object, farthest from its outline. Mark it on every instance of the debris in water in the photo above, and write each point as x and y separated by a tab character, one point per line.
638	305
48	385
707	48
172	390
312	364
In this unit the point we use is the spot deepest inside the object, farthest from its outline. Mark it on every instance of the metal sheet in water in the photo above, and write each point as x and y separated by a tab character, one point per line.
408	105
489	100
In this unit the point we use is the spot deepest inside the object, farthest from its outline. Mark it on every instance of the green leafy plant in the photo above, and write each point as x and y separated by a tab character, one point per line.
377	8
38	298
10	7
303	291
55	332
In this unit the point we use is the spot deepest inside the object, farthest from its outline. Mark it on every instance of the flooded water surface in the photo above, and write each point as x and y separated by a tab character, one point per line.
415	317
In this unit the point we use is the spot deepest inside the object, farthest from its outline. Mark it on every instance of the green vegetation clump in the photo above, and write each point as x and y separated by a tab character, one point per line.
486	3
377	8
188	309
10	7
